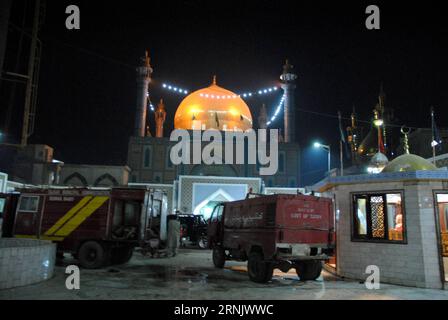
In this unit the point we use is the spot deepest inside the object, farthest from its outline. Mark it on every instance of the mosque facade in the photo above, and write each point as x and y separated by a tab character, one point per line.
394	218
196	188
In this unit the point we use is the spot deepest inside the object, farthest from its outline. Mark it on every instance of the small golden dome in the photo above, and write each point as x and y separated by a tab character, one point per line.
409	162
213	108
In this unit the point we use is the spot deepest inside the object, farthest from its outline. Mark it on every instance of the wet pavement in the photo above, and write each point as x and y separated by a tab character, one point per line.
191	276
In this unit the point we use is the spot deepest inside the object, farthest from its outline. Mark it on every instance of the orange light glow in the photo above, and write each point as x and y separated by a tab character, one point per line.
213	113
195	110
234	112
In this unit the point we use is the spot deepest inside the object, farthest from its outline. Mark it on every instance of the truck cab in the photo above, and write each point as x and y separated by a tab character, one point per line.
274	231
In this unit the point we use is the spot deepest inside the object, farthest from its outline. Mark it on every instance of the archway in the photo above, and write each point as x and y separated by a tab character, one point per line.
76	179
205	208
106	180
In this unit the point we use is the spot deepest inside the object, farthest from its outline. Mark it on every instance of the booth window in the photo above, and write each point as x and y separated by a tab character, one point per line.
378	217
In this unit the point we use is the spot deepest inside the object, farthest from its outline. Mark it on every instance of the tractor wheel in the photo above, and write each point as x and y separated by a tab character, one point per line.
92	255
121	255
309	270
219	257
259	270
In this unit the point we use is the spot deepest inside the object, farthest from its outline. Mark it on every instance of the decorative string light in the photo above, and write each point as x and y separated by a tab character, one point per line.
150	105
175	89
260	92
277	110
244	95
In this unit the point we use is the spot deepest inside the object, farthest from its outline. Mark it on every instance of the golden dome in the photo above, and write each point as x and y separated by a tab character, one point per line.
213	108
409	162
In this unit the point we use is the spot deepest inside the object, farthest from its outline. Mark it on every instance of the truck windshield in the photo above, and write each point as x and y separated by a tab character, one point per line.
217	214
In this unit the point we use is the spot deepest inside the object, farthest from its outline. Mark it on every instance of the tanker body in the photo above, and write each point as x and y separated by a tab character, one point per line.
97	226
274	231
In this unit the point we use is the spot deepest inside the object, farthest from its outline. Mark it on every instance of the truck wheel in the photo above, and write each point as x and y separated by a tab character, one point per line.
258	269
121	255
92	255
309	270
219	257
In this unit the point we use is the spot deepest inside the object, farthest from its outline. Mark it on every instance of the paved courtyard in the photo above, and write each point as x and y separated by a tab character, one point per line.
191	276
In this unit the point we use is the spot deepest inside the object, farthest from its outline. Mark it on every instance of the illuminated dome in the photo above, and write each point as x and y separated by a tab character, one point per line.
377	163
213	108
409	162
379	159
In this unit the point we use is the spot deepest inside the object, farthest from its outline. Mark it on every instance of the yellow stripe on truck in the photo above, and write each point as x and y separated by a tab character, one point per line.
81	216
41	238
68	215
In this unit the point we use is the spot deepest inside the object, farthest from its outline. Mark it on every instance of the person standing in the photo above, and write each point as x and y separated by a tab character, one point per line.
173	235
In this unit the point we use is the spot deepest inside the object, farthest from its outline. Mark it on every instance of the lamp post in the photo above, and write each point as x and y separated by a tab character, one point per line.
319	145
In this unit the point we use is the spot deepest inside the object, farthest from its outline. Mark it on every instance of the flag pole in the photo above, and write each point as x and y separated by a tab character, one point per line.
341	141
434	155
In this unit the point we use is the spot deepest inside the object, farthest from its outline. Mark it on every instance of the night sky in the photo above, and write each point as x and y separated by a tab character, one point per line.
87	85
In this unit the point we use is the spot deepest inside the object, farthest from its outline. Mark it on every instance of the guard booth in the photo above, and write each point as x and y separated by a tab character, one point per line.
395	220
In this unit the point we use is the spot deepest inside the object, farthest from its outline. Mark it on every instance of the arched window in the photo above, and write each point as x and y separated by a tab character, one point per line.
106	180
169	164
76	180
281	162
147	157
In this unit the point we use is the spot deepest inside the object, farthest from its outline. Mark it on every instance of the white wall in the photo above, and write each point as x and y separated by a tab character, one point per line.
415	263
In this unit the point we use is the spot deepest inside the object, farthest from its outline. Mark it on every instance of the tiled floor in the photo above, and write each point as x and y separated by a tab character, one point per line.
191	276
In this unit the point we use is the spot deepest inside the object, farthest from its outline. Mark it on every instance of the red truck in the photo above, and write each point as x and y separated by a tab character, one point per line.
274	231
97	226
